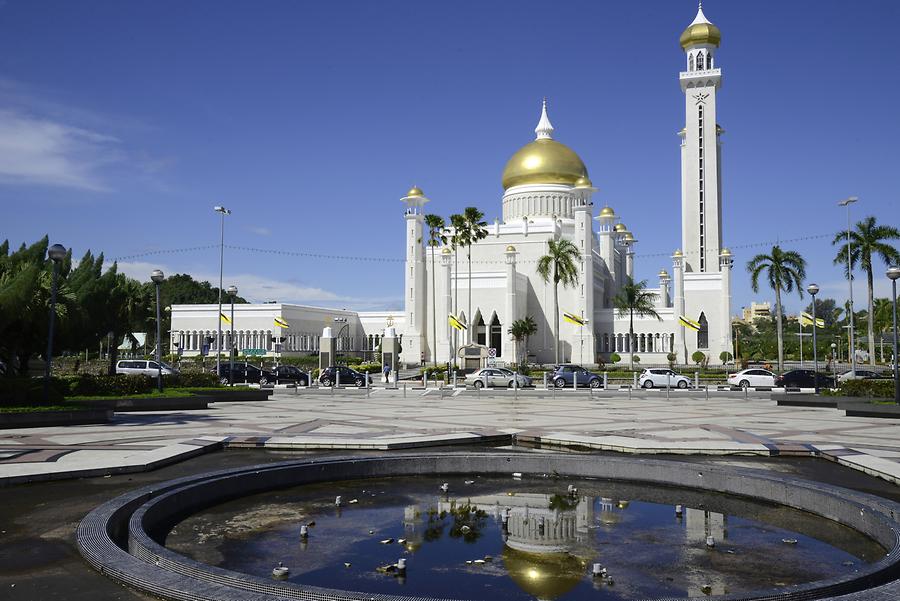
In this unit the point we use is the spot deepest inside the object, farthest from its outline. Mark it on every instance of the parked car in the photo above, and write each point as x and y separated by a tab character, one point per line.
244	372
662	377
565	375
342	375
496	376
753	377
803	378
140	367
290	374
861	374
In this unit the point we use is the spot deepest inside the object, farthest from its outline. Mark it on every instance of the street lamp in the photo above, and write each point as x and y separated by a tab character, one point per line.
834	360
346	326
813	291
157	276
232	292
846	203
222	211
57	253
893	273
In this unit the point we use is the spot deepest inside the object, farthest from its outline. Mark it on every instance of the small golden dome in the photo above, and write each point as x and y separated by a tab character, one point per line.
607	212
678	253
620	227
584	182
663	273
725	252
700	31
544	161
510	249
415	191
628	236
446	251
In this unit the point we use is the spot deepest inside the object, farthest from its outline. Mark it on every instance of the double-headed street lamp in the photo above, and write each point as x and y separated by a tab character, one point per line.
893	273
232	292
57	253
846	203
222	211
813	291
346	326
157	277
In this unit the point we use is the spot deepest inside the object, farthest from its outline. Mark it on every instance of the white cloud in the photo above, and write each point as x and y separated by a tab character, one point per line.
260	231
42	151
258	289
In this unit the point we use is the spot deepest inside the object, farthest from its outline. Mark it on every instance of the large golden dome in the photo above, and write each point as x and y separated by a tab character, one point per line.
543	161
701	31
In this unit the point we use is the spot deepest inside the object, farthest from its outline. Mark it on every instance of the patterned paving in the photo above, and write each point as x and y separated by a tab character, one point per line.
642	422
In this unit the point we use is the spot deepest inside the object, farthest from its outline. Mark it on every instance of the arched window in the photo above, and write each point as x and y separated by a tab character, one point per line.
691	61
496	339
703	332
709	59
700	61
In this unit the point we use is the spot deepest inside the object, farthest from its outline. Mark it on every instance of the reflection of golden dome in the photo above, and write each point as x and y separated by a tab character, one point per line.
510	249
607	212
415	191
621	227
446	251
544	161
545	576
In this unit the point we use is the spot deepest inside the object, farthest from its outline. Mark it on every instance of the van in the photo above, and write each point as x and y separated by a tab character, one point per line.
140	367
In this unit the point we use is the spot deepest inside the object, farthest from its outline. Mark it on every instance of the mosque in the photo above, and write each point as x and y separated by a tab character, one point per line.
547	196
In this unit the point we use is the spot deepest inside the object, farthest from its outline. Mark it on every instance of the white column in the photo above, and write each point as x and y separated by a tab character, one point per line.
511	313
678	276
445	335
725	266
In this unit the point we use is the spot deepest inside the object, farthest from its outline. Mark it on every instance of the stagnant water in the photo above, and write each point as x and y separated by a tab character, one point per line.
456	544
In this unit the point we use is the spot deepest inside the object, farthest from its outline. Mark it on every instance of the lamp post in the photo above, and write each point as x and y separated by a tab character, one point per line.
834	360
157	276
813	291
846	203
232	292
893	273
346	326
57	253
222	211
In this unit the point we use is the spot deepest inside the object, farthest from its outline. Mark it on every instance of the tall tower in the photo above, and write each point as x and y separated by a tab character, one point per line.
414	294
701	191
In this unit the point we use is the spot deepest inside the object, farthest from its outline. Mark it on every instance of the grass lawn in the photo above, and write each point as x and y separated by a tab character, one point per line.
41	408
166	393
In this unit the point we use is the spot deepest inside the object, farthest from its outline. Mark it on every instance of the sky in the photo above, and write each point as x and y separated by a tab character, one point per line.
123	123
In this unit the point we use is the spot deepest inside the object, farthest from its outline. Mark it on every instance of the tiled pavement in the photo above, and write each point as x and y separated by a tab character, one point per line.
644	422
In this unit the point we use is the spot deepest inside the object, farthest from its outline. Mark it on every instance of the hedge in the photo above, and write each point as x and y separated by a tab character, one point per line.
17	391
868	388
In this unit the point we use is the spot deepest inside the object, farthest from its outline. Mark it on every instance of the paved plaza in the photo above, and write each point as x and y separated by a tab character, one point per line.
683	422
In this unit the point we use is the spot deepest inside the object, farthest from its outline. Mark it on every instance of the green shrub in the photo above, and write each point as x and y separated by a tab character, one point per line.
615	358
371	367
636	359
699	357
89	385
201	379
430	372
29	391
867	388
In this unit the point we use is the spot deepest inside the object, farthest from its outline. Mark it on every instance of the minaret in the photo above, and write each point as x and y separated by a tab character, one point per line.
726	261
701	192
414	293
584	240
511	303
607	238
443	324
678	305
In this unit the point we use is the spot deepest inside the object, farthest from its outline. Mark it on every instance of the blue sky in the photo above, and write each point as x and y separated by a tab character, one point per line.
123	123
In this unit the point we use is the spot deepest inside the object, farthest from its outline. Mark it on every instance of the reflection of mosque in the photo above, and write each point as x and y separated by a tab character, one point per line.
698	525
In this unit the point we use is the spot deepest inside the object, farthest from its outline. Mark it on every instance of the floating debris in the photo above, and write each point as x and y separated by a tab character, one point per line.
706	589
678	510
478	562
465	529
311	524
347	564
354	501
304	531
710	542
445	487
572	490
280	571
730	551
610	582
337	501
401	541
468	562
401	566
488	558
371	532
387	541
789	541
847	563
386	569
517	475
597	570
469	482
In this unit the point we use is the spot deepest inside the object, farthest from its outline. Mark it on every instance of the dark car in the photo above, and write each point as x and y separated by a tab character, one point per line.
244	372
804	378
342	375
566	375
290	374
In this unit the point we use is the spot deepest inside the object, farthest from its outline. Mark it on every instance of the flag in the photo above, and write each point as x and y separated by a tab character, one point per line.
224	318
807	320
455	322
281	323
688	323
574	319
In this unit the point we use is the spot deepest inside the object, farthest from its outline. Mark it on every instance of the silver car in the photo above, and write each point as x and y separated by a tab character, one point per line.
140	367
497	377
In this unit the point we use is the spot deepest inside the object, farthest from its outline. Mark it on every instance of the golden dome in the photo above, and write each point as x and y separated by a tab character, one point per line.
544	161
726	252
510	249
628	236
415	191
700	31
663	273
584	182
620	227
607	212
678	253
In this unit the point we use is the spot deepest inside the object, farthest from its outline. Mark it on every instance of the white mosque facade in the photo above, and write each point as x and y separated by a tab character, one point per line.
547	196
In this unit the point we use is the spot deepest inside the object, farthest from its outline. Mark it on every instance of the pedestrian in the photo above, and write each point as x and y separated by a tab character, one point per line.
423	358
387	373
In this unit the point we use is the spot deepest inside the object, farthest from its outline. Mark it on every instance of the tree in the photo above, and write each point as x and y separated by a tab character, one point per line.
827	310
867	240
699	357
436	226
520	330
615	358
633	298
561	265
473	229
785	271
671	358
725	357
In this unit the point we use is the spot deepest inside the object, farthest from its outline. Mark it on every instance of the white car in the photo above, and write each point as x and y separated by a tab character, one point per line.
662	377
752	378
139	367
494	376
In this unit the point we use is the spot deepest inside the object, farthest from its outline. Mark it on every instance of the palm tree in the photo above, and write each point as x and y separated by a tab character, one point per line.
457	223
634	298
436	226
474	229
560	264
785	271
867	240
520	330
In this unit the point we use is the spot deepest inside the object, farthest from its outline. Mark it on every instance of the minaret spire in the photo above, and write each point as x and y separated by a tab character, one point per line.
544	129
700	18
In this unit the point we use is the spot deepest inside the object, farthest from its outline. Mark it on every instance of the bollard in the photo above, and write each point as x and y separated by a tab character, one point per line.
707	391
635	380
454	379
545	380
575	382
424	381
485	381
629	393
605	380
404	390
746	392
367	383
401	566
337	379
668	385
696	379
678	511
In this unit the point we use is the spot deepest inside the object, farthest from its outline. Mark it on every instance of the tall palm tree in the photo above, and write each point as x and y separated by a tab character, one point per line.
457	225
520	330
436	226
867	240
633	298
785	271
474	229
561	265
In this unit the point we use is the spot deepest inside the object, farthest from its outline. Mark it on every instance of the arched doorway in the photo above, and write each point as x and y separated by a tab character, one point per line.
703	332
480	330
496	335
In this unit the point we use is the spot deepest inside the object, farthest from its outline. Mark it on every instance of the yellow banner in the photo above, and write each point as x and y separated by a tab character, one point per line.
281	323
688	323
574	319
455	322
224	318
807	320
